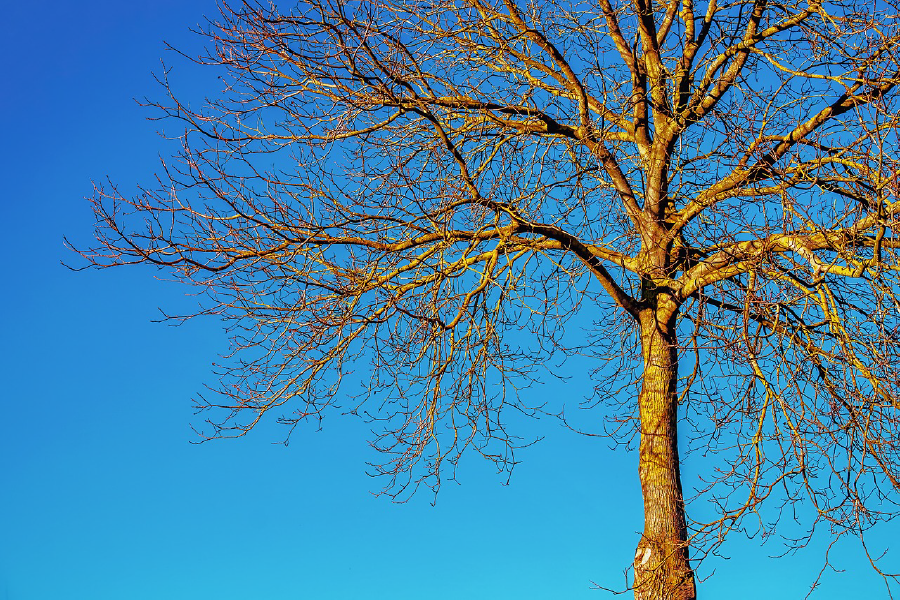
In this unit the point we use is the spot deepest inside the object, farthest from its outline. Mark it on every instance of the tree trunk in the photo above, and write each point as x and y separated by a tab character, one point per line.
661	567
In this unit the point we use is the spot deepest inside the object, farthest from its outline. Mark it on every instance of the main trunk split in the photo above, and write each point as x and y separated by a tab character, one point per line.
661	564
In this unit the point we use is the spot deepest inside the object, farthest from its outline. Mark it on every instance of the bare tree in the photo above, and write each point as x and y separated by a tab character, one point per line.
395	187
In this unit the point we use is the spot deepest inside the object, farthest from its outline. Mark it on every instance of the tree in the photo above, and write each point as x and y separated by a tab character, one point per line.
402	185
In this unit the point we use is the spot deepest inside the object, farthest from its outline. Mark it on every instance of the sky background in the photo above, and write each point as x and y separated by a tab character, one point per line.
102	495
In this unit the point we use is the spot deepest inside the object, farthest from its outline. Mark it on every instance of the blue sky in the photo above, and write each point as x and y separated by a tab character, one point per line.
103	497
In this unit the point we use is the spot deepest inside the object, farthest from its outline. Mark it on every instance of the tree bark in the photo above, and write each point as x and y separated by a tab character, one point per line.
661	563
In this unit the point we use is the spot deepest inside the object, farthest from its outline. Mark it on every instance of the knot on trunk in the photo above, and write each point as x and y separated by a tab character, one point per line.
662	572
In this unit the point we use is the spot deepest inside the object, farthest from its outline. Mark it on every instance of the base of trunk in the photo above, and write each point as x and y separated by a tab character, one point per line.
661	571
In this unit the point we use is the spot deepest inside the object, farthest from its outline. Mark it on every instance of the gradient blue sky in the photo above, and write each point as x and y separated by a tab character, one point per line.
102	497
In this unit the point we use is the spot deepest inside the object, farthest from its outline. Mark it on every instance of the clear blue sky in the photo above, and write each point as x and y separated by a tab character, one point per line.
102	497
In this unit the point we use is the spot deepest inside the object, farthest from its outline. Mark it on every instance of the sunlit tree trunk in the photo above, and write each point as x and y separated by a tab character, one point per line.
662	570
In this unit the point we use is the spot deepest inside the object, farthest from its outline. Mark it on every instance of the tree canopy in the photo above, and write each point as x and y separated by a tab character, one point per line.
429	192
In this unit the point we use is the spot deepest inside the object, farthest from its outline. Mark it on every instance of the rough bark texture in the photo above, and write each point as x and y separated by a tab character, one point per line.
661	566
